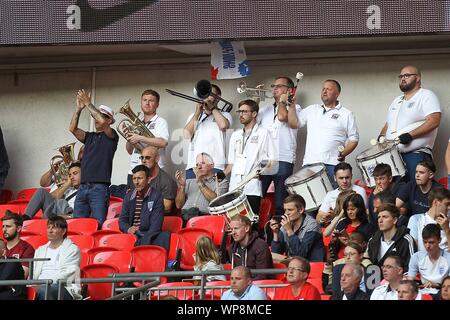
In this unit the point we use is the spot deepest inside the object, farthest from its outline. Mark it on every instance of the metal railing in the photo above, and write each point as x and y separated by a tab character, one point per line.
46	282
25	260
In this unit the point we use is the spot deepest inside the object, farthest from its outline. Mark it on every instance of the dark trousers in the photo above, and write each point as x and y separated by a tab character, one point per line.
411	160
285	169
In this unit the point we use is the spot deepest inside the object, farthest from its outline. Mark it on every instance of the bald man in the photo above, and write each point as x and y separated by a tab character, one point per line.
414	105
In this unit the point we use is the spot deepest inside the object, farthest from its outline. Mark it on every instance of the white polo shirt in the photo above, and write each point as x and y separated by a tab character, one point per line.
402	113
327	129
160	129
245	153
329	202
435	272
385	292
284	138
416	224
208	138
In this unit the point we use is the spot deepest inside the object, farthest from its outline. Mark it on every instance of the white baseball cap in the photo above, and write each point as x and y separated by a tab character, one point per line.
107	111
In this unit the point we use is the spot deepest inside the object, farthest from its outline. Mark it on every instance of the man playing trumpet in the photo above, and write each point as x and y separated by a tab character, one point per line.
157	126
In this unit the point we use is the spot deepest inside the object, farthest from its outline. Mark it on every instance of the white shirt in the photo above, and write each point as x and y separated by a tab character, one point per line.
402	113
160	129
416	224
284	138
329	202
327	129
245	153
50	267
208	138
384	292
384	247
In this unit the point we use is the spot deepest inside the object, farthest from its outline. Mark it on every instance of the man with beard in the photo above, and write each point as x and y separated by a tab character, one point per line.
16	247
248	148
415	105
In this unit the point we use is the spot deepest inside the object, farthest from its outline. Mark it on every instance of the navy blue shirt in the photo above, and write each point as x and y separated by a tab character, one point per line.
99	149
415	200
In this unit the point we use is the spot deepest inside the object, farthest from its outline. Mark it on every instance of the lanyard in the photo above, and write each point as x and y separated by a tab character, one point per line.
244	141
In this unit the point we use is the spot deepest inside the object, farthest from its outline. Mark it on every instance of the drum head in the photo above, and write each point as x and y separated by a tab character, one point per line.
226	198
378	149
304	174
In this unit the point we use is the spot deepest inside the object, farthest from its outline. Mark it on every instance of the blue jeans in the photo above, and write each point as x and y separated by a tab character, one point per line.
285	170
190	173
411	160
330	173
53	293
92	201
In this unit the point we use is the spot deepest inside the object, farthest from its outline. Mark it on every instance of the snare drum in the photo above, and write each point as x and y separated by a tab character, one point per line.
231	204
381	153
312	183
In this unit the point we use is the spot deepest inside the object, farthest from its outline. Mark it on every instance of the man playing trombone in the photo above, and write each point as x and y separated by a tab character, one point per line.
206	130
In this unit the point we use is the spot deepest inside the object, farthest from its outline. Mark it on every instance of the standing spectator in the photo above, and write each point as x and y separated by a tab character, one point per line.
156	124
415	104
433	264
248	249
10	271
4	162
64	263
242	287
96	167
408	290
392	269
142	211
15	247
439	201
297	234
298	288
350	279
389	238
207	257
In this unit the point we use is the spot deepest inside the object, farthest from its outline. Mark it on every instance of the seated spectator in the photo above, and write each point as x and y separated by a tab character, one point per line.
142	210
47	179
408	290
351	276
297	234
159	180
64	263
380	198
325	219
248	249
60	201
433	264
11	271
242	287
392	269
384	181
207	257
16	247
353	253
389	238
412	197
343	174
298	288
194	195
444	293
439	201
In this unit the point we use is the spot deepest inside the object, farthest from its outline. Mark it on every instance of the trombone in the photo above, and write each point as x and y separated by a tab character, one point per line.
202	90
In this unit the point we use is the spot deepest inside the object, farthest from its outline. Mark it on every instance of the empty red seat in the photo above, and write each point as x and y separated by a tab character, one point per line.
111	224
11	207
36	227
85	226
172	223
218	283
114	210
316	270
98	291
26	193
149	259
35	241
119	259
182	294
93	252
97	235
270	292
120	241
215	224
83	242
188	239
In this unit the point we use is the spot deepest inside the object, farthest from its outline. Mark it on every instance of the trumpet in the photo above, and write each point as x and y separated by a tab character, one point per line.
202	90
133	125
258	92
59	164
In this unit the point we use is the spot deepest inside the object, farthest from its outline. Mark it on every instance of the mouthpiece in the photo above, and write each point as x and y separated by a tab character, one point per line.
299	76
373	142
341	148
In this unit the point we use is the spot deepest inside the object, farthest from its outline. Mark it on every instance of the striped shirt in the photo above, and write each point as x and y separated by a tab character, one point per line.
138	210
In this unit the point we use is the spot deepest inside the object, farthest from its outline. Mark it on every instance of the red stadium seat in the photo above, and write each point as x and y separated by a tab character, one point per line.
444	182
85	226
280	276
182	294
427	297
6	196
173	246
227	266
114	210
84	259
20	201
26	193
188	238
120	241
316	270
149	259
93	252
270	292
207	296
317	283
215	224
35	241
85	243
217	292
113	199
11	207
119	259
264	213
325	297
172	223
98	291
31	293
97	235
36	227
111	224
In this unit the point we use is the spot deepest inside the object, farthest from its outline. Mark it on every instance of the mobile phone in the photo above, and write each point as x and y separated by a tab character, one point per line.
277	218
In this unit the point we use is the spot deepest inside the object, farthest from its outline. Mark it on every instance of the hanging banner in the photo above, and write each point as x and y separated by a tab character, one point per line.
228	60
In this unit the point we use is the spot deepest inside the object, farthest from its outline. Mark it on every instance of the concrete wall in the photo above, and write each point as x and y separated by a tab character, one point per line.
36	106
